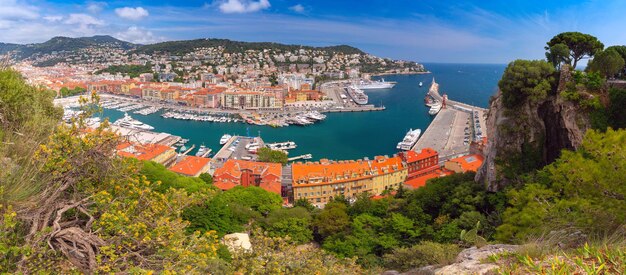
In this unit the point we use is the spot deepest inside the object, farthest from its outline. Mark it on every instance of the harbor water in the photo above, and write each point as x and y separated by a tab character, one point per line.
352	135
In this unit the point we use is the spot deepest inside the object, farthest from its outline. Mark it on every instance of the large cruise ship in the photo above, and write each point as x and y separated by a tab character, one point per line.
371	85
357	95
129	122
409	140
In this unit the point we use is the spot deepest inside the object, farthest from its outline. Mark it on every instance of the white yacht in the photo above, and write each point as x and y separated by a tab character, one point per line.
421	84
224	139
409	139
203	151
315	115
434	109
129	122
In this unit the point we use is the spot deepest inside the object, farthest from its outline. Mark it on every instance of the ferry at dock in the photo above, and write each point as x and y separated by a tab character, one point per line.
373	85
409	140
357	95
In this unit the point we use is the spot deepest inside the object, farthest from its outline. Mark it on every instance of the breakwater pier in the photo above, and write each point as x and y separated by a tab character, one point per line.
453	128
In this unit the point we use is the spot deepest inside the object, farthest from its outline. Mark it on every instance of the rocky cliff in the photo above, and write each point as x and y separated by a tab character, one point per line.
530	136
470	261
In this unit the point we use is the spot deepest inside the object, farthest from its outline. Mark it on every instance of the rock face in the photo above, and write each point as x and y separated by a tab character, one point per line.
236	241
469	261
529	137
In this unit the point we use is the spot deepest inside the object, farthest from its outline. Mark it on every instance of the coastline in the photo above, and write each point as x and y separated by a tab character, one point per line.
400	73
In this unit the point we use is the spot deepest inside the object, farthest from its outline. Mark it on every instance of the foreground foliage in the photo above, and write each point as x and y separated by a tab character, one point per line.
588	259
277	256
582	190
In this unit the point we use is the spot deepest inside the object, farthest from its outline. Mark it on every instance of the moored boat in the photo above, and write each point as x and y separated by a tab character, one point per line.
409	139
372	85
129	122
357	95
225	138
434	109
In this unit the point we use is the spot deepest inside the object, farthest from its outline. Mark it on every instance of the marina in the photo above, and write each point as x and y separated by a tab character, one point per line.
347	134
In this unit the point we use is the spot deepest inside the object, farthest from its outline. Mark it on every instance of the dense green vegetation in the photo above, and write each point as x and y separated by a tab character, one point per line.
65	92
167	179
269	155
621	49
130	70
608	63
571	47
583	190
526	79
187	46
59	44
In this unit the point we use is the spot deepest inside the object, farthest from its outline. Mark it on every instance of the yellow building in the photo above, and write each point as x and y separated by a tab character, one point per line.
170	94
389	173
126	86
319	182
151	94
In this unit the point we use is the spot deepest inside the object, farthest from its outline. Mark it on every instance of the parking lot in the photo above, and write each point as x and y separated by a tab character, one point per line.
236	148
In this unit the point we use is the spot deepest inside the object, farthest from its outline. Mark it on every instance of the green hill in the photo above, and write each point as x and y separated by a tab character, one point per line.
187	46
65	44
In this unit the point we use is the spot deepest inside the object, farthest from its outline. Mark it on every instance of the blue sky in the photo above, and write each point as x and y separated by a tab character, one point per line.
418	30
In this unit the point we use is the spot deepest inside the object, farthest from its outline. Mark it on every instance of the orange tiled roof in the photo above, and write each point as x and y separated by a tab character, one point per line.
412	156
386	165
224	185
469	162
421	181
337	172
141	152
190	165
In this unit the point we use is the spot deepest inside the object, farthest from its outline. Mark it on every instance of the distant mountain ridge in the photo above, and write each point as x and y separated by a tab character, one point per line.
61	43
67	44
187	46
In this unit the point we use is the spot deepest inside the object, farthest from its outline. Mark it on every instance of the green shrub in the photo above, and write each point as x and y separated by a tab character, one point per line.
526	79
422	254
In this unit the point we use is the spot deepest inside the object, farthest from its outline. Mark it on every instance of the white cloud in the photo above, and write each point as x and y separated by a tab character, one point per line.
86	23
83	19
53	18
297	8
138	35
12	9
96	7
243	6
131	13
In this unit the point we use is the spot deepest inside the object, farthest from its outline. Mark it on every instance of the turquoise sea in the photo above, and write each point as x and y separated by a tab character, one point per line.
353	135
